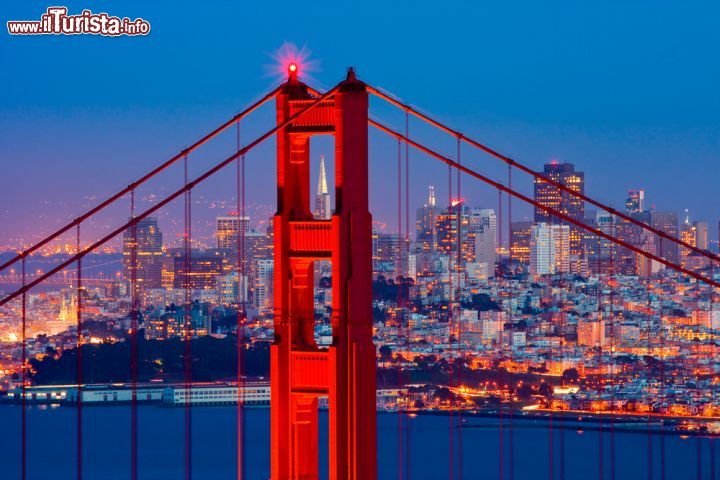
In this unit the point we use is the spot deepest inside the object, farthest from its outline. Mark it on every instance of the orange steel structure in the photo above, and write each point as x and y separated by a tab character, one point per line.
300	370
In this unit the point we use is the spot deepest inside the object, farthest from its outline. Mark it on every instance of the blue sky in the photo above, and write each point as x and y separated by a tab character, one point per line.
628	91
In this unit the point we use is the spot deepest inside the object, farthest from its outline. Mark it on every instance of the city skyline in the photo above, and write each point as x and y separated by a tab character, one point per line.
499	237
620	127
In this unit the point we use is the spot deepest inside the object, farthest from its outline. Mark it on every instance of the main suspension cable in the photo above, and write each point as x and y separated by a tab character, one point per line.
380	94
169	198
550	210
141	180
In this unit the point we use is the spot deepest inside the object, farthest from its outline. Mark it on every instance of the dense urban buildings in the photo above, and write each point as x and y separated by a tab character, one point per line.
562	305
560	200
142	254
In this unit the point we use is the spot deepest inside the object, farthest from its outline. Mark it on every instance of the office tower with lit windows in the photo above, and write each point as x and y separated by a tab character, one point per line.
549	249
263	288
200	272
701	235
388	254
635	201
520	241
147	245
668	223
562	201
688	234
425	223
482	237
228	229
601	253
447	228
322	198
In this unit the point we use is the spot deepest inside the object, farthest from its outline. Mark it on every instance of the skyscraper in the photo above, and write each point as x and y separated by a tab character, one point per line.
227	229
263	292
635	201
701	235
602	254
549	249
147	245
205	266
562	201
425	224
520	241
688	234
322	198
482	234
668	223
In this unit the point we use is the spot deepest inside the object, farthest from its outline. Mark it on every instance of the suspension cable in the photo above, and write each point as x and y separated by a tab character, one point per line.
539	176
169	198
550	210
398	315
187	360
612	363
406	274
133	344
78	357
451	318
240	327
142	179
23	378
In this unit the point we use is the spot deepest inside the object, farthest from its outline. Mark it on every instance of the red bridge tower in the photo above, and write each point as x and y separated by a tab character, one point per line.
300	370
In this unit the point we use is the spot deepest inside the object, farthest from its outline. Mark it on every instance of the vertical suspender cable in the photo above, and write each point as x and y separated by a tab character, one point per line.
662	383
649	378
398	315
186	330
406	273
451	287
459	323
23	379
511	412
240	271
501	240
133	343
601	432
612	363
79	365
649	401
501	420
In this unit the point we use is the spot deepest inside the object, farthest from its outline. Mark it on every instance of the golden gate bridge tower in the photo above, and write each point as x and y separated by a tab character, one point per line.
301	372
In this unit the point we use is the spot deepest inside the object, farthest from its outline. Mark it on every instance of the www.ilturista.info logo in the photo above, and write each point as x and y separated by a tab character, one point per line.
57	22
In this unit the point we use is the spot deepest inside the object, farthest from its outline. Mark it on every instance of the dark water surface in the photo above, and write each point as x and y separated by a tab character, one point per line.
106	447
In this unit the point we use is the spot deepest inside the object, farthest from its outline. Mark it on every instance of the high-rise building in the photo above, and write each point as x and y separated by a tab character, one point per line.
322	198
562	201
200	272
701	235
263	292
602	254
147	246
446	229
388	254
635	201
425	223
688	234
520	241
668	223
229	228
482	232
549	249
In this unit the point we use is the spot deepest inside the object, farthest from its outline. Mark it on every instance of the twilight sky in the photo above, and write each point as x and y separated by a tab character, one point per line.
628	92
